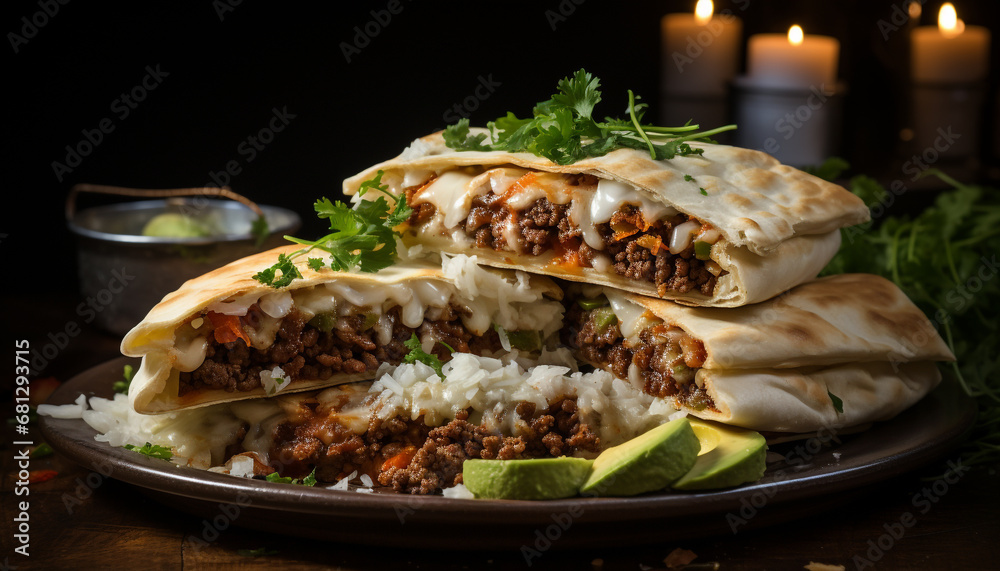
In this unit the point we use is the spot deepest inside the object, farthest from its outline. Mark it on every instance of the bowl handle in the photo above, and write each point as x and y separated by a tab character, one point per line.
224	192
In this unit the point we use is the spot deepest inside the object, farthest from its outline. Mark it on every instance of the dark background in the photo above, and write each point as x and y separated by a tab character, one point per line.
227	67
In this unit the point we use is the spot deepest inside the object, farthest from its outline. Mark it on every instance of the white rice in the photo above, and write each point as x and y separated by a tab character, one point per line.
197	437
492	387
458	491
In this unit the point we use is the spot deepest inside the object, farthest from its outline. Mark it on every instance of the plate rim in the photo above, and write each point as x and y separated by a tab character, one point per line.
203	486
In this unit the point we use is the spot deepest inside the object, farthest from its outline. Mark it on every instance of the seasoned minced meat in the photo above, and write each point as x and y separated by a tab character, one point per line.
438	463
605	347
407	456
303	351
544	226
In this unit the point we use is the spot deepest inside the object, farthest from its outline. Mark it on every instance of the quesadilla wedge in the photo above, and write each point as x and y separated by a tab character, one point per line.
225	336
834	352
724	228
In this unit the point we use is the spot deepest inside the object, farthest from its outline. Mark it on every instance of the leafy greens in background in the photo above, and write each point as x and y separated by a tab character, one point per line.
947	260
563	129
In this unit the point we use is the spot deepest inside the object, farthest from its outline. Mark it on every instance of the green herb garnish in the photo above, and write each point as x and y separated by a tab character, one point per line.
309	480
361	237
41	451
259	230
838	403
945	260
830	170
122	386
563	129
151	450
417	353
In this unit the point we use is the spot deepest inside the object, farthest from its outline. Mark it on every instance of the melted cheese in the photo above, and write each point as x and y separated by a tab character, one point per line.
611	195
483	296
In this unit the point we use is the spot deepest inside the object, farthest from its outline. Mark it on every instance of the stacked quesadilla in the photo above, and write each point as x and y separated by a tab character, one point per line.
684	284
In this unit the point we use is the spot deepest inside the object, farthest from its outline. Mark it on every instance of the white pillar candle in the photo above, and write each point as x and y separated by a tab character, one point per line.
793	60
700	50
950	52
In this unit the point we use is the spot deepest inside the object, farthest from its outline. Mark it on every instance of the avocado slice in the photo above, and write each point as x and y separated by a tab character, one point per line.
531	479
649	462
729	457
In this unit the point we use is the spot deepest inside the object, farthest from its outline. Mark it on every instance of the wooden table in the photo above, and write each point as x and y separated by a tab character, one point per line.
904	523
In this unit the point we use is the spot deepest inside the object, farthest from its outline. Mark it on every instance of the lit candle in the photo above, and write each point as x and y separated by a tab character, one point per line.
700	50
795	60
950	52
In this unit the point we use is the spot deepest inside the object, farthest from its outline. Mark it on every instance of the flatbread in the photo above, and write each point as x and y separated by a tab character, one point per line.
846	318
773	366
799	400
779	224
155	386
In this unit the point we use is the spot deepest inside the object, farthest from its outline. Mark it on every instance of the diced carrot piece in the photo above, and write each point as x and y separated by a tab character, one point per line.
39	476
227	328
401	460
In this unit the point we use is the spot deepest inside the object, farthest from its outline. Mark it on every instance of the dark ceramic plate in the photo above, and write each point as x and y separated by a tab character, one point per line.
813	475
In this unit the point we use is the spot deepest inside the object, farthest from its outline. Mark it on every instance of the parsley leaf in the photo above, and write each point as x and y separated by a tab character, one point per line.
830	170
563	129
945	259
260	230
838	403
363	237
309	480
122	386
417	353
151	450
42	450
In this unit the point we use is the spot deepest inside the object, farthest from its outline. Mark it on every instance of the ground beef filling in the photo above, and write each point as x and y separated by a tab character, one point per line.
657	360
407	456
305	352
545	226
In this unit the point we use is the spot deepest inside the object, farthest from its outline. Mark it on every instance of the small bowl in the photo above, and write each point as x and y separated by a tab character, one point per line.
123	273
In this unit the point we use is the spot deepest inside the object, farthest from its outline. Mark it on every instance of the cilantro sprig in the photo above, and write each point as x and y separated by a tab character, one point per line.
122	386
944	259
362	237
309	480
417	353
151	450
563	129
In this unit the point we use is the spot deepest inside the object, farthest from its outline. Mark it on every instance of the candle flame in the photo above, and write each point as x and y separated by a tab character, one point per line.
948	21
795	35
703	11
